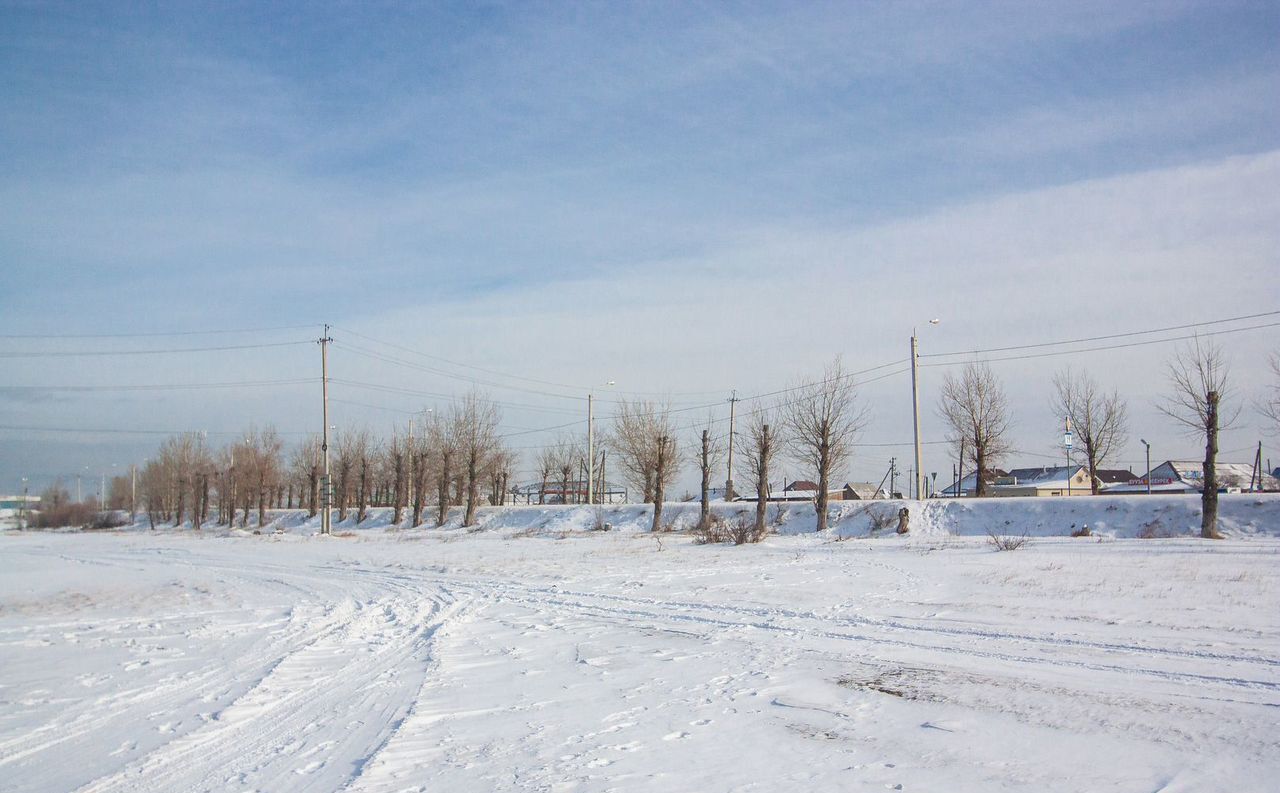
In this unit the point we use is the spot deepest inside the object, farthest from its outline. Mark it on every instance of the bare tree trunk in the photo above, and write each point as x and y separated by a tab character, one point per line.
762	481
313	491
657	489
980	480
472	488
182	494
1209	496
824	479
705	517
204	509
262	502
442	508
363	491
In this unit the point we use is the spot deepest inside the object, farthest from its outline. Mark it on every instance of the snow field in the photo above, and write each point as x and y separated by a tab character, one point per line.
506	660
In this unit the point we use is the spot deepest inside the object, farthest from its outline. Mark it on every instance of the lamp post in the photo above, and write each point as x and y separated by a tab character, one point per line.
915	402
1144	443
22	508
591	442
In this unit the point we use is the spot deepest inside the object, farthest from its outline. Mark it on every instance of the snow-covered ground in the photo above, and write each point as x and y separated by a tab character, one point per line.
536	655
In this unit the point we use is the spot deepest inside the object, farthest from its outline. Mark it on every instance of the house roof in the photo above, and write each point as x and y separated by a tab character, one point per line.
1189	474
1115	475
863	490
801	484
971	480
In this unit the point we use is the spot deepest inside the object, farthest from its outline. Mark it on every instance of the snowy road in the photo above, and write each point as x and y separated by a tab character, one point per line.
473	662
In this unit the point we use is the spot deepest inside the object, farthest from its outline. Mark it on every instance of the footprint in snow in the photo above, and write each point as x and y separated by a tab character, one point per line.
675	736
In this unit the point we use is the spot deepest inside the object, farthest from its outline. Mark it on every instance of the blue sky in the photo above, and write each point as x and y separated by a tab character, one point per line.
679	187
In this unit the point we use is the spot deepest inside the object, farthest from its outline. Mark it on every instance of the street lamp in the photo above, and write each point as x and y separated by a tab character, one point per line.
591	442
1144	443
915	402
22	508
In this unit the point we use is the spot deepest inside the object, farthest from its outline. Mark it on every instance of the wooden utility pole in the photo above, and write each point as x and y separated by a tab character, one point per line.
728	484
326	526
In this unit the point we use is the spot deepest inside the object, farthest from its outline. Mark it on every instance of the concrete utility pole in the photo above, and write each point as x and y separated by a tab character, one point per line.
915	405
326	526
893	475
728	482
1066	442
591	445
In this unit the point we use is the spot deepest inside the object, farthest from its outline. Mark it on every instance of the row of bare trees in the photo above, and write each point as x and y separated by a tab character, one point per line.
1198	399
456	460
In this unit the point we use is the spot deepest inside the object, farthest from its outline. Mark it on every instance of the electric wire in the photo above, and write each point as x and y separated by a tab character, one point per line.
220	332
170	351
1108	336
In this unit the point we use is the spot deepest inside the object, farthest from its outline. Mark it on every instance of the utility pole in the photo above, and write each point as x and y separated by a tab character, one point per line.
409	451
893	475
591	445
22	508
1066	442
960	474
915	407
326	526
591	449
728	482
133	492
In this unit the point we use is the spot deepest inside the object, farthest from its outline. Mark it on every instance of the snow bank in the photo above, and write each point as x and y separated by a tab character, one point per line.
1240	515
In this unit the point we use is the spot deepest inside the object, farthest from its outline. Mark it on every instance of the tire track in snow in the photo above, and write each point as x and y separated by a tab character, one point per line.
658	611
358	668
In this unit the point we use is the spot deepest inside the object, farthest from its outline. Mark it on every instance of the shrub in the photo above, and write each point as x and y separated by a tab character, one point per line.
1006	542
881	519
739	530
65	514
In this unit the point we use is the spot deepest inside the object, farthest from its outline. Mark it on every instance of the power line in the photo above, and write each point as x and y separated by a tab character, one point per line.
1107	347
552	383
103	353
224	331
163	387
412	392
117	431
1110	336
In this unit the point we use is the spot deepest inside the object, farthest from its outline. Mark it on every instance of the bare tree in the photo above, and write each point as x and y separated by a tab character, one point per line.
666	462
638	428
304	466
976	410
1199	385
442	440
547	462
396	469
366	463
758	444
476	420
350	448
1269	406
712	449
567	455
1099	419
823	419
